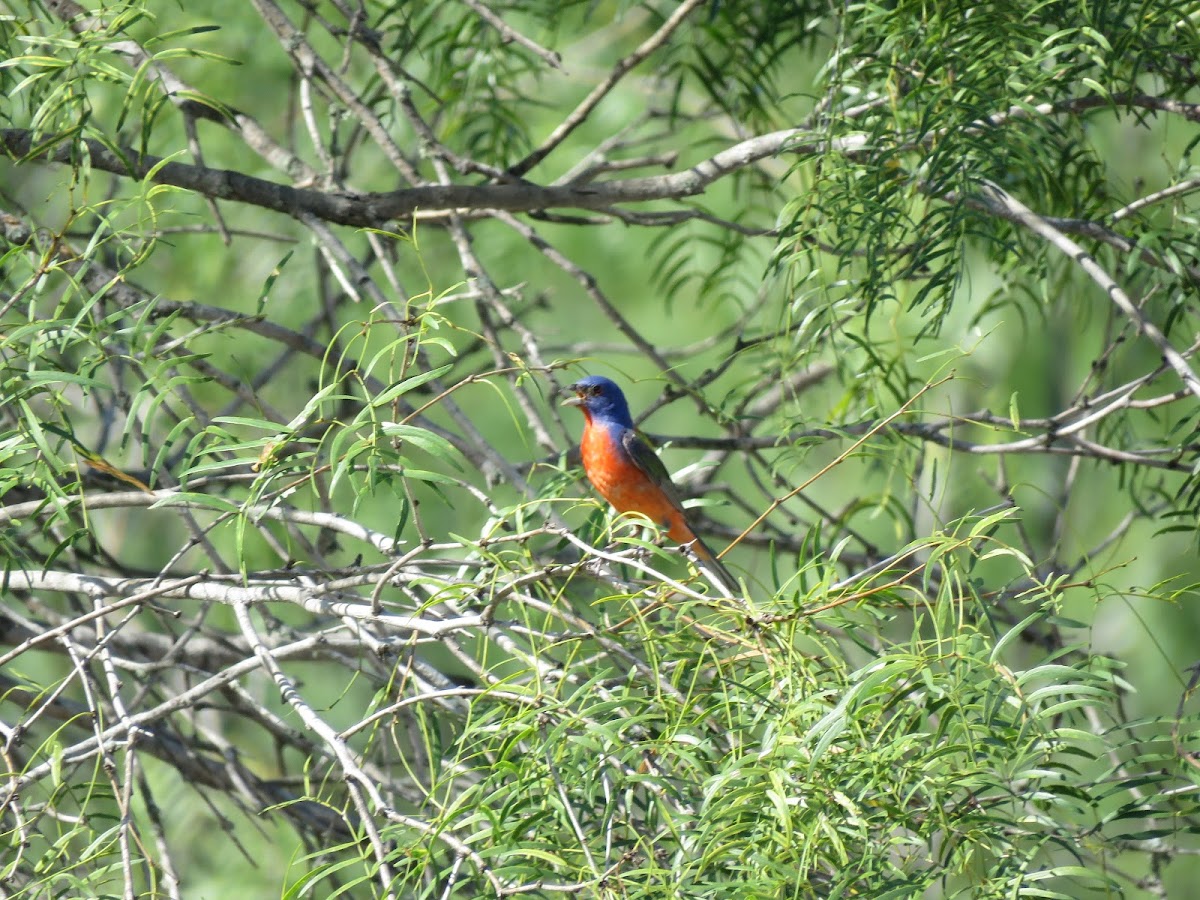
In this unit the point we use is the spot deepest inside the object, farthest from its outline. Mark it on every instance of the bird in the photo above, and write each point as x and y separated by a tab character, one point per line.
625	470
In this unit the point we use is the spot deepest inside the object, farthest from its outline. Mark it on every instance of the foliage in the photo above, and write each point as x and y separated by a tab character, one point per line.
293	537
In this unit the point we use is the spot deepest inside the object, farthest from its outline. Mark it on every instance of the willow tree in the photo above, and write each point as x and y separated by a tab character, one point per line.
302	588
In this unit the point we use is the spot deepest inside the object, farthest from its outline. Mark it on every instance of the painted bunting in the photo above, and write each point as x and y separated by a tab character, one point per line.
627	472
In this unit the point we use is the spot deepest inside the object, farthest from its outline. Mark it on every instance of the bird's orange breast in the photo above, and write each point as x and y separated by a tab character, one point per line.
619	481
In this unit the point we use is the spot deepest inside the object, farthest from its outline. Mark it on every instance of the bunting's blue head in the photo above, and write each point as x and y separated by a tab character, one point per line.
601	400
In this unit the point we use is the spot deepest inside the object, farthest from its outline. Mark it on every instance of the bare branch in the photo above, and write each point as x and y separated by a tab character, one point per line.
378	209
509	33
579	115
1003	203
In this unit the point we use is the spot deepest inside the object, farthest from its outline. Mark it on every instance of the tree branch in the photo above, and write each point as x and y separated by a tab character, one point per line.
376	210
1003	203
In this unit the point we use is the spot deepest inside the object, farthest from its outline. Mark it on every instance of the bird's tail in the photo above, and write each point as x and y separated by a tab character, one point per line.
711	567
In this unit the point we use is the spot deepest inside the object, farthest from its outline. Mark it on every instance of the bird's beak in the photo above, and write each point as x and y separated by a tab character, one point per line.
577	400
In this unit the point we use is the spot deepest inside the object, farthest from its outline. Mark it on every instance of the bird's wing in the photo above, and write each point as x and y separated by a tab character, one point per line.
647	460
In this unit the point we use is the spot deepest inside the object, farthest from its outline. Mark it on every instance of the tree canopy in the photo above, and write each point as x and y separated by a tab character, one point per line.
303	592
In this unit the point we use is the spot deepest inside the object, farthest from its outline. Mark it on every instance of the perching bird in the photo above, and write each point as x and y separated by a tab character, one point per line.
628	473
